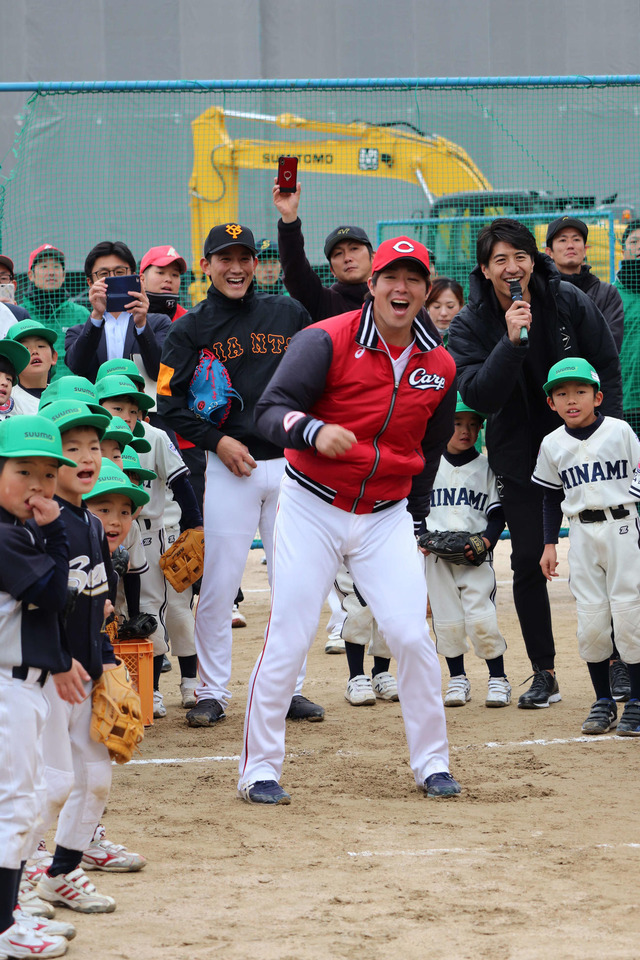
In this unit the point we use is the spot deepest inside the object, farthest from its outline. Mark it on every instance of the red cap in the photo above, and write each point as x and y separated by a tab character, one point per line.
400	248
162	257
45	248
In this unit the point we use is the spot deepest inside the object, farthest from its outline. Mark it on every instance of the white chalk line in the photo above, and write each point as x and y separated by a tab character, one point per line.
490	745
462	851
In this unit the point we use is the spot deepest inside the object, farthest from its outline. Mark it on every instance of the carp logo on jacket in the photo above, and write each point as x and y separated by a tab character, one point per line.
421	380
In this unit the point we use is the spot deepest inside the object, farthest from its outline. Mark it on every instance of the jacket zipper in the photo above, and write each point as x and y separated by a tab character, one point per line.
377	437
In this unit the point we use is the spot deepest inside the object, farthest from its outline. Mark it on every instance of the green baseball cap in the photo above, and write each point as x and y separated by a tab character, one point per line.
31	436
75	390
118	431
31	328
131	464
461	407
122	386
120	366
17	355
67	414
112	480
573	368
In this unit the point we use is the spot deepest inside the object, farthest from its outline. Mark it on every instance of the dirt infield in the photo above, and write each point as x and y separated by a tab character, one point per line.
534	860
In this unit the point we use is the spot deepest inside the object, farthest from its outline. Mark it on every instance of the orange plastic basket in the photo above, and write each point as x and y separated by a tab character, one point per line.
138	659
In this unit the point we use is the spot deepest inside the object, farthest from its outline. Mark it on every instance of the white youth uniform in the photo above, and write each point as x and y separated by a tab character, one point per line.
159	521
358	624
596	474
132	543
24	402
463	597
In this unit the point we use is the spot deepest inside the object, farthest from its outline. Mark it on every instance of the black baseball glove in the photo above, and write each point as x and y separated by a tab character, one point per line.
120	561
450	545
138	628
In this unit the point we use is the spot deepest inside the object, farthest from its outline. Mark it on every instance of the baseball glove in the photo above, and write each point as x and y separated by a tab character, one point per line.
450	545
116	717
183	562
120	561
210	391
138	627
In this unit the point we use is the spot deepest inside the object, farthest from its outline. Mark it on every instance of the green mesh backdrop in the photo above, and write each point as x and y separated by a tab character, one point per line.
162	163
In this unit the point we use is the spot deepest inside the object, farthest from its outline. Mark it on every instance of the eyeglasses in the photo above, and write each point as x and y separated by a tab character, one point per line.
116	272
6	277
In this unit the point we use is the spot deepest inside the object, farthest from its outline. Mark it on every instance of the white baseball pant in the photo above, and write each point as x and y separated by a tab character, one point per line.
23	714
234	508
604	572
77	771
463	604
312	538
157	596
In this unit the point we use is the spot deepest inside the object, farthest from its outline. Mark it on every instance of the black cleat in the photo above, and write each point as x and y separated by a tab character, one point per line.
303	709
603	717
619	680
543	691
205	713
629	725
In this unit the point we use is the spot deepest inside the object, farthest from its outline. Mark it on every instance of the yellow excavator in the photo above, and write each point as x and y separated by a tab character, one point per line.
378	169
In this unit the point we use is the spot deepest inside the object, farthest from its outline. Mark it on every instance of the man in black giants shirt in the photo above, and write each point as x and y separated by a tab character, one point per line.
248	332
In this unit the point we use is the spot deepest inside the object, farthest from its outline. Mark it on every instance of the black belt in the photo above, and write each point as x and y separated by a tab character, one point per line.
21	673
597	516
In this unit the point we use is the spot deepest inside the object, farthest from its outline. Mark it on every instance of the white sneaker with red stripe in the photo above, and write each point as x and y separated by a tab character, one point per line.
44	927
31	902
74	890
20	941
38	863
110	857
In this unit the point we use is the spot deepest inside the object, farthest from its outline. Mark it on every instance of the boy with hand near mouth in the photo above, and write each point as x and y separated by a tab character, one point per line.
13	359
34	568
465	497
585	468
34	378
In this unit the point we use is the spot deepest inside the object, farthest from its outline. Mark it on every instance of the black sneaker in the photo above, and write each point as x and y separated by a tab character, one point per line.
603	716
543	691
303	709
205	713
265	791
167	666
629	725
619	680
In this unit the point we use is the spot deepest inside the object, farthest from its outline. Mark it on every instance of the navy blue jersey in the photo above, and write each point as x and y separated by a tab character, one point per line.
29	632
90	574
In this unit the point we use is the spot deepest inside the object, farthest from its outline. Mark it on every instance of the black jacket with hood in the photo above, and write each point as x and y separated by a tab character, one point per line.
505	381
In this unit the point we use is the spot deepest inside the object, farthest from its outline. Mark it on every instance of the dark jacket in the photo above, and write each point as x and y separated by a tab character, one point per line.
605	296
249	336
505	380
336	372
305	285
86	345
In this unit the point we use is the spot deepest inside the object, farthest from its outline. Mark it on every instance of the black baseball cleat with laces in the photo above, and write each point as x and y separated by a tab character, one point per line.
619	680
543	691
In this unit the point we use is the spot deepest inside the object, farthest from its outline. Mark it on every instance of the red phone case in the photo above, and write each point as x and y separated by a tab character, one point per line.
287	174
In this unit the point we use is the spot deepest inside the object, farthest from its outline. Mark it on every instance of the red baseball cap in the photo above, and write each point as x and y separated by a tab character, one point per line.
400	248
45	249
162	257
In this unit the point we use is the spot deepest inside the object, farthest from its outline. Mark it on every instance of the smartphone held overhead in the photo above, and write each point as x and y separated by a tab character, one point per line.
287	174
119	291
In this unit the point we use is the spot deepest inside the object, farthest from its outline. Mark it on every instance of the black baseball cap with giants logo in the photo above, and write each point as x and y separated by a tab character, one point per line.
345	233
227	235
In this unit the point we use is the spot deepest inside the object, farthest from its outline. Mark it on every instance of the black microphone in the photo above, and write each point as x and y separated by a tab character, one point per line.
516	294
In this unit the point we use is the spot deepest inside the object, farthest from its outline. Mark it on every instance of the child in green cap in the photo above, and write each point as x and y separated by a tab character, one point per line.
32	381
34	569
586	467
78	770
13	359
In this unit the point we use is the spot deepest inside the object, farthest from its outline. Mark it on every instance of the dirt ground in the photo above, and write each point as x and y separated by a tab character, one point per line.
534	860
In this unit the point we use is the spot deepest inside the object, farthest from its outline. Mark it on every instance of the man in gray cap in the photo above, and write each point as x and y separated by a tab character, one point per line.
248	335
567	247
348	250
